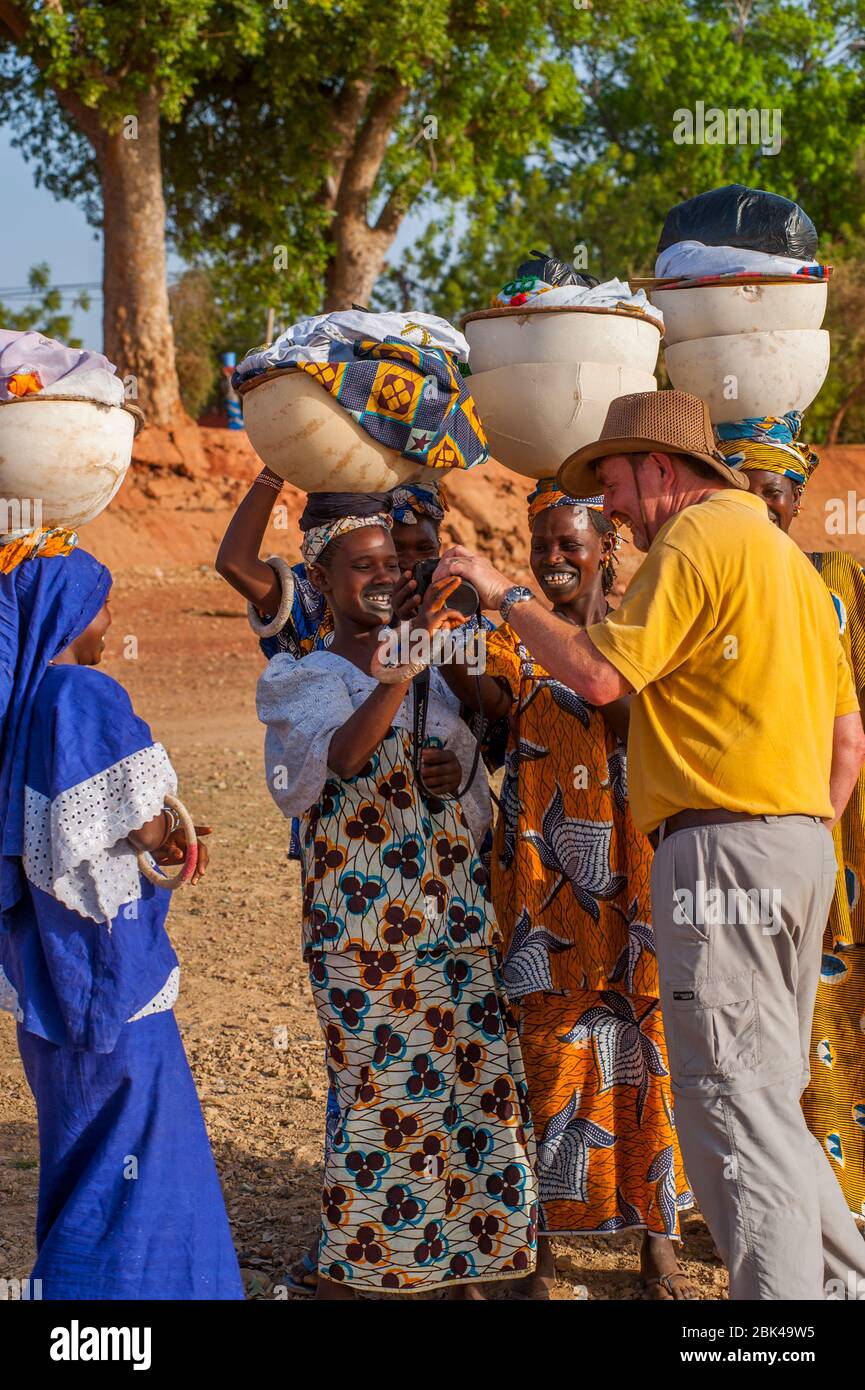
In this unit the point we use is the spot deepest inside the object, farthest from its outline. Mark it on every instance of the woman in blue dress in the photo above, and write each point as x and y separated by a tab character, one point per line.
130	1205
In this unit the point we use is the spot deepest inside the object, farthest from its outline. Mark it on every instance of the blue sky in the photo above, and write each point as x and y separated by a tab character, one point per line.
37	227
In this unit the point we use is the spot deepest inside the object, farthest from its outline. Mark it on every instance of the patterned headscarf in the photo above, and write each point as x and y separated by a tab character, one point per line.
318	538
414	500
547	495
769	443
44	541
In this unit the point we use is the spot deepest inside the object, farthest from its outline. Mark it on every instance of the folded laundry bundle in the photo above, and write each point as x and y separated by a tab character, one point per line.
331	338
694	262
31	364
535	293
66	432
397	376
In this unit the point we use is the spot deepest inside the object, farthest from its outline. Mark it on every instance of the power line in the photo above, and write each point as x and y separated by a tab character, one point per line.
47	289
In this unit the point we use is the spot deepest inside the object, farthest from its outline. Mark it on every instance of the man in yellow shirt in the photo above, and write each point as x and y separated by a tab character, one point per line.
725	635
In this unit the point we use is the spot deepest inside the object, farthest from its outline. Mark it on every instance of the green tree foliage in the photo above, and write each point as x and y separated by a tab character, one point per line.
196	319
45	313
297	135
86	87
293	169
617	169
838	414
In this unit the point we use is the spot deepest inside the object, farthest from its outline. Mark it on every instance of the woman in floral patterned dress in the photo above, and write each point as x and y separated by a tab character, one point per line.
570	879
429	1179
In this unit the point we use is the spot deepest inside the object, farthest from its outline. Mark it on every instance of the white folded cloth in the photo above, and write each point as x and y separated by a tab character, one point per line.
691	260
94	385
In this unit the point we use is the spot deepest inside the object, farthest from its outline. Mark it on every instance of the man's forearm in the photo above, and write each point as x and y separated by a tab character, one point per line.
567	654
848	753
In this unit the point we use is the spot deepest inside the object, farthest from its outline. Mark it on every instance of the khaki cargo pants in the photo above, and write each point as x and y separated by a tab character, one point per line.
739	913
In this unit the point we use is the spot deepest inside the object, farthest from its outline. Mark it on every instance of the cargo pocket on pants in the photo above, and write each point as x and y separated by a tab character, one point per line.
715	1026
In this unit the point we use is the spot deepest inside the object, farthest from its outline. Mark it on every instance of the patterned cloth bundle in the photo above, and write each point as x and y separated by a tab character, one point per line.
43	541
408	395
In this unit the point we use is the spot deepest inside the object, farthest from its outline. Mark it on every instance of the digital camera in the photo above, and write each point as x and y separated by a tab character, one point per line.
465	599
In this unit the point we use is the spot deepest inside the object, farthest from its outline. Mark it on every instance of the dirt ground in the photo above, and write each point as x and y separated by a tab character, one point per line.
244	1008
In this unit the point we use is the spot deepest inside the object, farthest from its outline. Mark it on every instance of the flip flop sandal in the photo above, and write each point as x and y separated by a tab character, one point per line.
665	1282
303	1276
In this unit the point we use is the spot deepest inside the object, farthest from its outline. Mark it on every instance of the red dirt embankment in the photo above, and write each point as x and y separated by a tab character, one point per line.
184	484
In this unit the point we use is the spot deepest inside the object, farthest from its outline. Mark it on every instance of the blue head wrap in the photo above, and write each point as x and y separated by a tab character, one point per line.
411	500
44	605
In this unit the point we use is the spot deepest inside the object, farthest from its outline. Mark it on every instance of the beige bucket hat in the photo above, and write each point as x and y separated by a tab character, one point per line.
671	422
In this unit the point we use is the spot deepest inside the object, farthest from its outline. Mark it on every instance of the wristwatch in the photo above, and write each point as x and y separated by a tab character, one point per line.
518	593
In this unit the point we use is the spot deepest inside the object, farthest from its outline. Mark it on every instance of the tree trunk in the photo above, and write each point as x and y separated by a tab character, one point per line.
359	254
359	250
136	322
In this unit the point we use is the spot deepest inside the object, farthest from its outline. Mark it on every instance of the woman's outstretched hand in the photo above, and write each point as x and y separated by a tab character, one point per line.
406	599
173	851
434	612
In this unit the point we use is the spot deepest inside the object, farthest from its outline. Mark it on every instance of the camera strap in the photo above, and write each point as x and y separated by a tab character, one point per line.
421	691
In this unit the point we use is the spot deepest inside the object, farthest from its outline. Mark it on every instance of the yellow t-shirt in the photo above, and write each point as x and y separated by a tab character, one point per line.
730	639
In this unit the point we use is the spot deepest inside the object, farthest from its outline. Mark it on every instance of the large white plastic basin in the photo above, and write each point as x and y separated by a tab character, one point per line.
505	337
69	456
537	413
748	374
302	434
708	311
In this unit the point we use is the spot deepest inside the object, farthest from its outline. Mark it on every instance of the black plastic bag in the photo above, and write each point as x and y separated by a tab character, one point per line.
555	272
744	217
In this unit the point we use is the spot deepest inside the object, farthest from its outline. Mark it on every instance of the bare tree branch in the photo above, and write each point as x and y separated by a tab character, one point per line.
838	418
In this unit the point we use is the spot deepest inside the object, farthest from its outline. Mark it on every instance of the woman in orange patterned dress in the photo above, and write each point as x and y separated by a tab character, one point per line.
570	880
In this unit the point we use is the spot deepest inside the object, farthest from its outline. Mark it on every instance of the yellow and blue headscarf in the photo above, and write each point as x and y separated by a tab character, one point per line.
769	443
547	495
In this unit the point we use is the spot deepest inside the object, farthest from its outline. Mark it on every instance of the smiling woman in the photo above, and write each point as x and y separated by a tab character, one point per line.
428	1177
570	882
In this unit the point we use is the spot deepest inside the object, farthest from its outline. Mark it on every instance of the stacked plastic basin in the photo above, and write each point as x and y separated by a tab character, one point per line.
543	378
748	348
